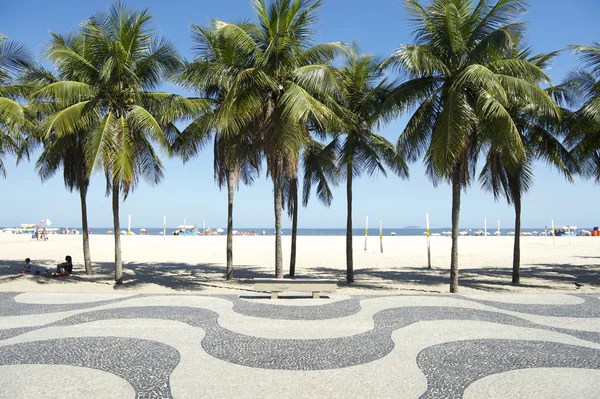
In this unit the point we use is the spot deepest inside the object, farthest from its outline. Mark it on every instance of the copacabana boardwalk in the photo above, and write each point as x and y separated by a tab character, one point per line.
112	345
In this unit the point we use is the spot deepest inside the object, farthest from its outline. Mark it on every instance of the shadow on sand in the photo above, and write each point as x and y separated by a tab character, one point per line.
198	277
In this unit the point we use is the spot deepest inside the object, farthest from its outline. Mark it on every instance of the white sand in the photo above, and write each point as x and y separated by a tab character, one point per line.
155	264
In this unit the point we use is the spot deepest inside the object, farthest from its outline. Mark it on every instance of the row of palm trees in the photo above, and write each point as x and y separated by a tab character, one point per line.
267	96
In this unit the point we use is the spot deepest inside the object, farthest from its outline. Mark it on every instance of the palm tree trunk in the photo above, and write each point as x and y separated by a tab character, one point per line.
294	227
278	194
455	220
230	193
349	260
117	231
516	273
87	261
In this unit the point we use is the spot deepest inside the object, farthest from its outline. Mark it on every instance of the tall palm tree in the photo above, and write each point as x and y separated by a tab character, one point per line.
283	89
14	58
67	152
366	98
460	82
319	167
541	136
218	61
112	98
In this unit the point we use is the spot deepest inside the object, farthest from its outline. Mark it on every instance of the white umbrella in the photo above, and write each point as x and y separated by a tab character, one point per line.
48	222
220	230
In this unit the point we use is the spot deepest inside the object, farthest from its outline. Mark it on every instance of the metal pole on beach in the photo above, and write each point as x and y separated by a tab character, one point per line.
485	228
165	228
381	235
428	234
366	232
553	235
129	226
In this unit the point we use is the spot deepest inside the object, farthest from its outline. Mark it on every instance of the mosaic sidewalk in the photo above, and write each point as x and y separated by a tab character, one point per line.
225	346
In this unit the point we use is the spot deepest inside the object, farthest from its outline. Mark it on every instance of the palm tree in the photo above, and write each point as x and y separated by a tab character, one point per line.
67	152
320	169
218	63
461	82
14	58
541	136
112	98
583	90
367	104
288	84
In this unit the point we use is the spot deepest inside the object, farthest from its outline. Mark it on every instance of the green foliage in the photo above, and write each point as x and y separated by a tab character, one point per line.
581	90
107	72
463	79
288	83
365	103
14	58
218	63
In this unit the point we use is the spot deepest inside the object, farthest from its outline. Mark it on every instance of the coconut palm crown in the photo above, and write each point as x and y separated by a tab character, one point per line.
583	90
14	59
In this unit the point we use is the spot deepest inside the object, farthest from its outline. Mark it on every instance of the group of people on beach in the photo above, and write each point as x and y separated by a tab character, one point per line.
41	234
62	269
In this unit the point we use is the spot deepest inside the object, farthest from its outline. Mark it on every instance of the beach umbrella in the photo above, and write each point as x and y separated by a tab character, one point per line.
220	230
48	222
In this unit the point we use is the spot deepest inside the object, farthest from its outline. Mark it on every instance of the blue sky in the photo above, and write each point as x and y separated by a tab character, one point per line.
188	191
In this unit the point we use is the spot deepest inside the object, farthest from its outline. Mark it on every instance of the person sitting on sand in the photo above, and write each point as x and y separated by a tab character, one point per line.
65	268
27	266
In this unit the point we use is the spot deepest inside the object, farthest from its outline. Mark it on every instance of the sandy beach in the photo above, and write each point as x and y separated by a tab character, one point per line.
157	264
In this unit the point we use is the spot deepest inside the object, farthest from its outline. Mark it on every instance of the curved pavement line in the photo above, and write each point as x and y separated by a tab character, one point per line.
397	373
556	299
196	301
324	309
451	367
294	353
67	298
12	307
146	365
588	307
358	323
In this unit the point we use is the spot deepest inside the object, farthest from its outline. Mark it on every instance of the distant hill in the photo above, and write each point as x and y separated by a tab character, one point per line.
412	227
